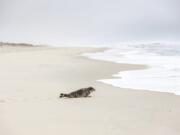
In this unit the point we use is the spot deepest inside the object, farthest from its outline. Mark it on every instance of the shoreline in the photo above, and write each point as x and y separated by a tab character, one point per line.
31	82
151	76
130	67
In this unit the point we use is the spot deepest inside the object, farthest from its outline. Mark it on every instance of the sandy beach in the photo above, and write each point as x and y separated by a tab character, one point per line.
31	79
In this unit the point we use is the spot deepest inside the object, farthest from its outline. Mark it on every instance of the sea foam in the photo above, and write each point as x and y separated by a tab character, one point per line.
163	60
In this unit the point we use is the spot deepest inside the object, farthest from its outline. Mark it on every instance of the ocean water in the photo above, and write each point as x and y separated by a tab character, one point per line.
163	61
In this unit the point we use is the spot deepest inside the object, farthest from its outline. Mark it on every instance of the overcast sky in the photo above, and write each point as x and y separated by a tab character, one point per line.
89	21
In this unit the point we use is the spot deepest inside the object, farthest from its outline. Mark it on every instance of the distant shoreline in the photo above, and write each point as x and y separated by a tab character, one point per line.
19	44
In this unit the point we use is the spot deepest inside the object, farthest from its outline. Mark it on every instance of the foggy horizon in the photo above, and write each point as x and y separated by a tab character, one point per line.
89	22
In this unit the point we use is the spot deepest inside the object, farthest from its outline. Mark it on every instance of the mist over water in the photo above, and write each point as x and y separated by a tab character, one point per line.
162	74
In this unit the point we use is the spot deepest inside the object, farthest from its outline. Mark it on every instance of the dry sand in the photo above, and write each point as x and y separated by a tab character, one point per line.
32	79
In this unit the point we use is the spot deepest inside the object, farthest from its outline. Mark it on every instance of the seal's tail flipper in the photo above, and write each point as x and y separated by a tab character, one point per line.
63	95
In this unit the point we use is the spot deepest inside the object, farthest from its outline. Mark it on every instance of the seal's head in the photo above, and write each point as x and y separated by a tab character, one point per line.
91	89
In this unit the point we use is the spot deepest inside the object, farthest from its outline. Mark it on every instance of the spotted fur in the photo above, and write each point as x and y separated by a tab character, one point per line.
84	92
